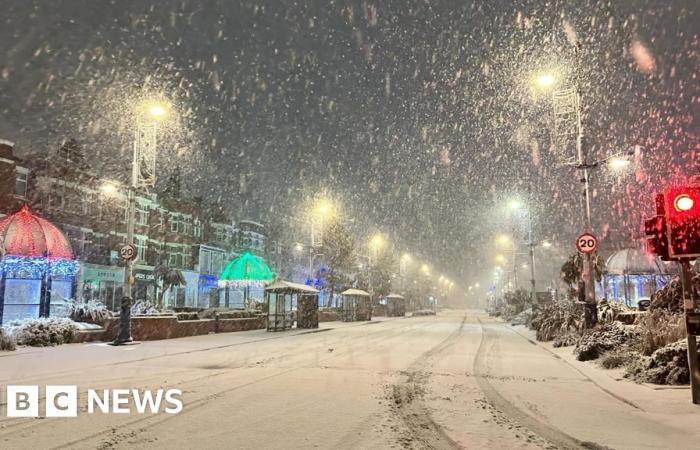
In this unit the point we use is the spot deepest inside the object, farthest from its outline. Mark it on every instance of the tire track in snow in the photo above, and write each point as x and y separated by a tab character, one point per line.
553	435
408	402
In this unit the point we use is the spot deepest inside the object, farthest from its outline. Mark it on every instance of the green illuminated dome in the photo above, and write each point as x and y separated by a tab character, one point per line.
247	269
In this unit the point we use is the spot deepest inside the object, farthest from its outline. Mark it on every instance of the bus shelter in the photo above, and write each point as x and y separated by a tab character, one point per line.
395	305
284	299
357	306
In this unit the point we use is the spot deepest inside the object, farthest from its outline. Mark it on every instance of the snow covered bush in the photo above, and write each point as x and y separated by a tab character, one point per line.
610	336
659	328
667	365
145	308
555	319
42	332
617	358
608	311
7	342
566	339
523	318
91	311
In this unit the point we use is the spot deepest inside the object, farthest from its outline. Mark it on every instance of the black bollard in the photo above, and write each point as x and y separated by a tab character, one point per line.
124	335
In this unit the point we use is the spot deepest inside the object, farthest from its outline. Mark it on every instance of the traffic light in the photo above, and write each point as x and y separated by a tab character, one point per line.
675	230
682	213
655	229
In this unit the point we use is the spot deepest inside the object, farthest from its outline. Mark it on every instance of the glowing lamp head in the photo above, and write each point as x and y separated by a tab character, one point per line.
545	80
683	203
157	111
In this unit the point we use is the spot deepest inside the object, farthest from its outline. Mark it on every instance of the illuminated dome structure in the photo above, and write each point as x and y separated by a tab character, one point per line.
37	268
24	234
246	271
632	274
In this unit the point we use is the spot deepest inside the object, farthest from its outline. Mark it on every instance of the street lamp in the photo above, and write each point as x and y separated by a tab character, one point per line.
143	174
525	214
377	242
568	123
545	80
109	189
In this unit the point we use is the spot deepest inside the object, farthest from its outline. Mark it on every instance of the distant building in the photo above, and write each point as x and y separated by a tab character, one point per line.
169	230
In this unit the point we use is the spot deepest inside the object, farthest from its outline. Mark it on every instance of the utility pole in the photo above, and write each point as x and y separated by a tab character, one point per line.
531	244
567	116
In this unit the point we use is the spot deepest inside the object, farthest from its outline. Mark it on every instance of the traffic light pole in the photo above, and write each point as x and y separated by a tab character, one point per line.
689	304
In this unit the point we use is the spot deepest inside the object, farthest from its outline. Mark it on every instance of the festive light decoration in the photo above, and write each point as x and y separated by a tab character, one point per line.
24	267
28	235
34	247
245	271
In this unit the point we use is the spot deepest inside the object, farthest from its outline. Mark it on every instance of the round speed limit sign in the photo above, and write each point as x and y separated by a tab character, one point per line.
127	252
586	243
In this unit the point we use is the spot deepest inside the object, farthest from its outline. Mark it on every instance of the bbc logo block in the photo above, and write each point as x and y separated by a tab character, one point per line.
60	401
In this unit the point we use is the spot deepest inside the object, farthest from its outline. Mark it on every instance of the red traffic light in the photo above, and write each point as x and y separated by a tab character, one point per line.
682	220
683	202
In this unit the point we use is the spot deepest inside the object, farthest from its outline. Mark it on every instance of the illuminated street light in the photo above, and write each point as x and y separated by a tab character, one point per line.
377	242
298	247
109	189
324	208
619	163
500	259
143	174
546	244
515	204
502	239
476	285
545	80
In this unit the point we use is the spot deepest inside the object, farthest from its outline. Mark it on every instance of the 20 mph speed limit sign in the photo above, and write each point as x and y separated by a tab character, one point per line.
586	243
127	252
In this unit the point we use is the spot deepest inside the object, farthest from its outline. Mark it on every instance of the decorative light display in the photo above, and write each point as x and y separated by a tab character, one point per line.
245	271
34	247
25	234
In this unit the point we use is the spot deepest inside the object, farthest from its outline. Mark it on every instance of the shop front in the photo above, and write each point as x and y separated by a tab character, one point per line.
179	296
144	284
101	283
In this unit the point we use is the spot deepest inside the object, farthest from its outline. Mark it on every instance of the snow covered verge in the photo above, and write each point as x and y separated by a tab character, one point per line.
42	332
651	350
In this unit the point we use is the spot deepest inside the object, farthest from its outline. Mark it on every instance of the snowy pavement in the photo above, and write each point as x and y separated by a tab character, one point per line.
459	380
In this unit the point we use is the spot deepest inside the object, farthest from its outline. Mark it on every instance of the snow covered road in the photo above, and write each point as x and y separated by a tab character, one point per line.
459	380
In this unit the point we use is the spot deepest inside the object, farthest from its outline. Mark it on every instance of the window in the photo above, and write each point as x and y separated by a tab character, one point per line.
141	215
204	261
197	231
217	263
176	225
21	183
141	246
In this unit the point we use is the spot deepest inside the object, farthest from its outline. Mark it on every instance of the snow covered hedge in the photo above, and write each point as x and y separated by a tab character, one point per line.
91	311
42	332
7	342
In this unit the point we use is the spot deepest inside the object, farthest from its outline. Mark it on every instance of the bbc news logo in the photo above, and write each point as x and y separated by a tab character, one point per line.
62	401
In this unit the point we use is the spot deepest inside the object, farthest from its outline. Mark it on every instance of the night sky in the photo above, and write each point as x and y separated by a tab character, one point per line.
418	115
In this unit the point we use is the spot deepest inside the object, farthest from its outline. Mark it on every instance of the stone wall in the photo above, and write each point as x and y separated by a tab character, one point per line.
147	328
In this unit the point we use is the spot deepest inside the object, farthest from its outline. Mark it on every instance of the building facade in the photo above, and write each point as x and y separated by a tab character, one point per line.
183	234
